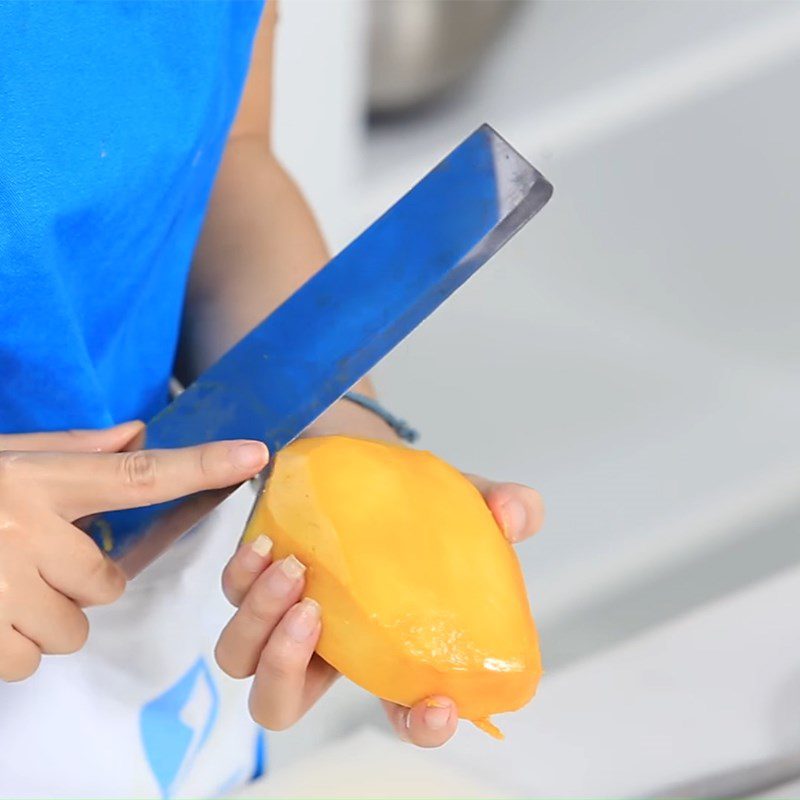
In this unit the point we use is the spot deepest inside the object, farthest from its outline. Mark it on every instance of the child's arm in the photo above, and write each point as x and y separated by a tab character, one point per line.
259	243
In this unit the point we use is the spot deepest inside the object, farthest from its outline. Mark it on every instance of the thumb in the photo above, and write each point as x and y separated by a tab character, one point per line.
79	484
102	440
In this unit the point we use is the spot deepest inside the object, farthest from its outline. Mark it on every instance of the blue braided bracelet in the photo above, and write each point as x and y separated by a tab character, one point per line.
399	426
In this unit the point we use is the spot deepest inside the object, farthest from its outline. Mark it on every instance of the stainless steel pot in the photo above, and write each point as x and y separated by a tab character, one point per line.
421	48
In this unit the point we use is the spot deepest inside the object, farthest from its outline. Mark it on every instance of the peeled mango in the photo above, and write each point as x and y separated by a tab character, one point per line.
421	594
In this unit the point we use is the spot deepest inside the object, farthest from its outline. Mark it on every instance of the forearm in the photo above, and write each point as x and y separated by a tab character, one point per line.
259	243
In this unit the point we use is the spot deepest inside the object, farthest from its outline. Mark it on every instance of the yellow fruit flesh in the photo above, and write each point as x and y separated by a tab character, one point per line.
420	592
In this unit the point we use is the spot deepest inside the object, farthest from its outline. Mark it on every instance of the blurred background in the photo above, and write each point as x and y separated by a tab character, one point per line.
633	354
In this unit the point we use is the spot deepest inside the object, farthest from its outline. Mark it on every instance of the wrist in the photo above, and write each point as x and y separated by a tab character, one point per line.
350	419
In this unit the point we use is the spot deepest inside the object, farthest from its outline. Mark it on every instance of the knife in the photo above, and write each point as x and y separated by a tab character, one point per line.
305	355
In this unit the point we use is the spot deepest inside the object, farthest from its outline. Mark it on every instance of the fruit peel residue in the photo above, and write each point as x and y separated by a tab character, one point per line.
487	726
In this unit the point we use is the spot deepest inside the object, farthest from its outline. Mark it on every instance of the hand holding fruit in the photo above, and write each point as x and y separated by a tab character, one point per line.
274	633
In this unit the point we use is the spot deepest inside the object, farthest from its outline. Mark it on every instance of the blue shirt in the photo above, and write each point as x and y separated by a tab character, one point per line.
113	119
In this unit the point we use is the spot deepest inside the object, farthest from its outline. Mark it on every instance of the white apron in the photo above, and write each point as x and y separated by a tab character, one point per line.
143	710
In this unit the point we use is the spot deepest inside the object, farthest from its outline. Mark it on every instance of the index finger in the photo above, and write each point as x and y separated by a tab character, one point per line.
79	484
82	441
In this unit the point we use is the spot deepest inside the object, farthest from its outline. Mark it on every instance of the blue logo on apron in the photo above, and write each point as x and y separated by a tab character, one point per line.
175	725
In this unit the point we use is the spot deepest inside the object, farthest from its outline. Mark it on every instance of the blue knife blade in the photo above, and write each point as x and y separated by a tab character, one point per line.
339	324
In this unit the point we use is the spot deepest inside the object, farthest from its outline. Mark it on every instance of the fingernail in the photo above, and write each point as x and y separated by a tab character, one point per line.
515	518
283	579
405	728
404	725
437	715
303	620
248	455
292	568
256	553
